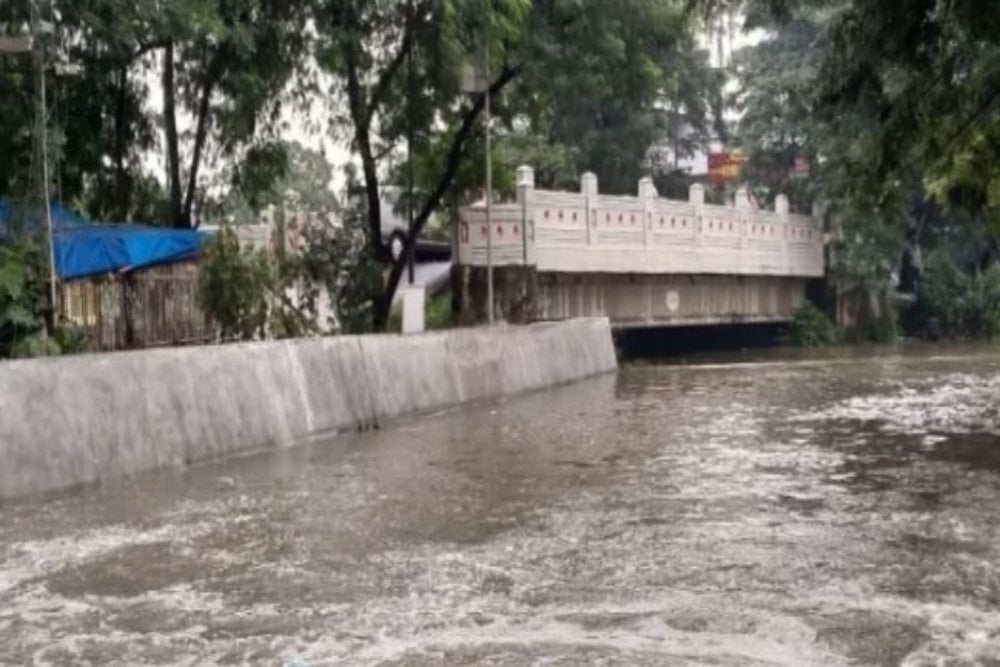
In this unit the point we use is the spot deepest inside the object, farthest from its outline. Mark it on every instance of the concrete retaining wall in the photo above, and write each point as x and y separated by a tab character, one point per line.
81	420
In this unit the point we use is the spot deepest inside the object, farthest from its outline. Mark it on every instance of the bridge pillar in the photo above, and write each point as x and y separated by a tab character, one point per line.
514	293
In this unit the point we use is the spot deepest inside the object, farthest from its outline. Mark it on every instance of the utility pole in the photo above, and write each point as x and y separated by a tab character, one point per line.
409	142
489	175
43	120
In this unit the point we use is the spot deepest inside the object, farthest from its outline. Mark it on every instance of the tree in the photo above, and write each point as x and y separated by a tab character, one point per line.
227	62
400	68
775	102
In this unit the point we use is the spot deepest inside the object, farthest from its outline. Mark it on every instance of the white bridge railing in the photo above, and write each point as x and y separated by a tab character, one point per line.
587	232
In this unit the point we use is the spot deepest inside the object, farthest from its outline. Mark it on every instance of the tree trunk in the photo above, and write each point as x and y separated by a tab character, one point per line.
122	193
170	128
361	118
201	132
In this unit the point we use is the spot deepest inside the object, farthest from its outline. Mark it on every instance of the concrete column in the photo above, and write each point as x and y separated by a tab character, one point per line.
525	196
781	206
696	196
588	187
781	209
413	297
742	200
647	193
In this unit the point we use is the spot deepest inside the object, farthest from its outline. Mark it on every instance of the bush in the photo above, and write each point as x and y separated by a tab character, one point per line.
812	328
956	304
438	312
22	299
235	287
70	338
339	258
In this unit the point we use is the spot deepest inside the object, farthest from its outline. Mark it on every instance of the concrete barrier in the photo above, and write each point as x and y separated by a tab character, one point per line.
82	420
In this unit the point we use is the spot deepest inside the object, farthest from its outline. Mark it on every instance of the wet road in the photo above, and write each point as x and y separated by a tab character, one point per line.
805	513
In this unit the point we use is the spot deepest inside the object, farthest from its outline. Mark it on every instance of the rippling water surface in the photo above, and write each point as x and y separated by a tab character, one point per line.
792	513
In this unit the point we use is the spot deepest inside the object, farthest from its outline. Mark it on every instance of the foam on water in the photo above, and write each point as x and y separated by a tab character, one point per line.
806	515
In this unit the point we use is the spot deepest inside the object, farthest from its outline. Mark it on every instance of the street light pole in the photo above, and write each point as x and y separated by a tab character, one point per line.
489	182
409	144
43	135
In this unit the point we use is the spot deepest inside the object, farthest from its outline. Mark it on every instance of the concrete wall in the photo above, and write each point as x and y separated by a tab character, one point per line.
87	419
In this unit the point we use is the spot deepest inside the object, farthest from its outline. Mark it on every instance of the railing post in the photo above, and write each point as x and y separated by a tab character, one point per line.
781	209
525	192
741	202
588	187
647	193
696	197
817	214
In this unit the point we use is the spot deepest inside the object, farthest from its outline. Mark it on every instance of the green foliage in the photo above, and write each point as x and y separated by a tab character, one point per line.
811	327
336	258
70	338
22	295
777	78
438	312
958	304
235	286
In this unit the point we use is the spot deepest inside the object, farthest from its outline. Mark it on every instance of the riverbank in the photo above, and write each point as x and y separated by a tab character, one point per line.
67	422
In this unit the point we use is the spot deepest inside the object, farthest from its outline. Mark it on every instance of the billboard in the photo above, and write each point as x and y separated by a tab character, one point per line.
725	167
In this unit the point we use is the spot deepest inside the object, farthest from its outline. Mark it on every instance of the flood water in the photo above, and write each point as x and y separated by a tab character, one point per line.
825	512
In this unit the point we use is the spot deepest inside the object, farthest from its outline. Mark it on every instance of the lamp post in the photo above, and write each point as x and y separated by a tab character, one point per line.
409	145
477	81
489	180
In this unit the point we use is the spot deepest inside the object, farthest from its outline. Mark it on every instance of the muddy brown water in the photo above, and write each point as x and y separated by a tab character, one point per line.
830	511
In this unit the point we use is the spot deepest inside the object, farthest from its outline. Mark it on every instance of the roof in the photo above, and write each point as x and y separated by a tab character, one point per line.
83	248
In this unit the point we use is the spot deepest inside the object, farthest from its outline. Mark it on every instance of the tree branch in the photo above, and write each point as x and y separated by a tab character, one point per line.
452	163
201	132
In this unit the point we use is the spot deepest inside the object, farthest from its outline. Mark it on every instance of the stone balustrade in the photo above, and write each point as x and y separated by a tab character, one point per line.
586	232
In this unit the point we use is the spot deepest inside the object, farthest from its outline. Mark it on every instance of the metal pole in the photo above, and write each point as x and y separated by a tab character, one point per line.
409	147
489	185
43	132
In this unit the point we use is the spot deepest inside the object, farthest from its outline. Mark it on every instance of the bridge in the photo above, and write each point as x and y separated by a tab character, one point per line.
640	261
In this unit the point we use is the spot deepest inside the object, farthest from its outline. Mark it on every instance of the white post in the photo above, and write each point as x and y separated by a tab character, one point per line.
588	187
741	202
696	194
781	206
696	197
647	193
742	199
525	187
781	210
413	297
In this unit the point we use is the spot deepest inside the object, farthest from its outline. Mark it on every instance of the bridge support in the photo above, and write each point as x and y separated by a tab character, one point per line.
629	300
515	291
638	300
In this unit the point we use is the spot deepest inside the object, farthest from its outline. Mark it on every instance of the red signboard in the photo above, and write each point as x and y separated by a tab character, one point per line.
725	167
801	168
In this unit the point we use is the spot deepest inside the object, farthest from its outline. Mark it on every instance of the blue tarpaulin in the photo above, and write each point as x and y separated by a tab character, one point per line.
85	249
